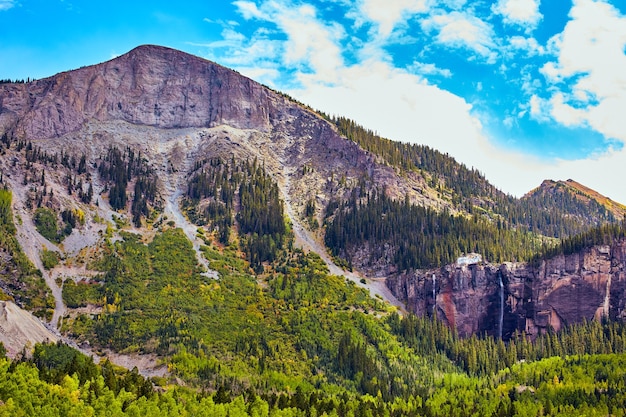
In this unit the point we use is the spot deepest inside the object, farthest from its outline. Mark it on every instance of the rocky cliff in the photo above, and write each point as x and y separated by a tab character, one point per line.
502	299
150	85
176	111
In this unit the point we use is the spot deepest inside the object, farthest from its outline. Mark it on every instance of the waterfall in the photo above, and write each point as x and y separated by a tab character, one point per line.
434	296
607	298
501	306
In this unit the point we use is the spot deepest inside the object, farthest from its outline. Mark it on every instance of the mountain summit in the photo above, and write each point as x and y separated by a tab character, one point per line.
150	85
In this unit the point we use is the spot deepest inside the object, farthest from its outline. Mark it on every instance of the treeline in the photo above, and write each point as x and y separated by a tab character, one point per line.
483	356
216	182
58	380
261	217
606	234
20	280
118	170
217	187
420	237
559	215
16	81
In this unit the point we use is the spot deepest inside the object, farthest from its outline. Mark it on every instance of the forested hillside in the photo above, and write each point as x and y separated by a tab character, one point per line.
414	237
220	192
552	214
58	380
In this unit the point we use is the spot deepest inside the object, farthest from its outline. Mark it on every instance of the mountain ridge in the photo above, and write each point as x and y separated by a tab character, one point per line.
580	191
188	245
148	77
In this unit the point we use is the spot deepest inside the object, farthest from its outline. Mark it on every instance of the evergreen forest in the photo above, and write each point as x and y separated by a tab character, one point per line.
556	215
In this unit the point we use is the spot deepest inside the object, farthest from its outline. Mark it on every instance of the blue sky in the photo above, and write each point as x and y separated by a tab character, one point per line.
523	90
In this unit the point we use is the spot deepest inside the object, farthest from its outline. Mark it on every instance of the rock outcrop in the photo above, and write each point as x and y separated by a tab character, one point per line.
19	329
501	299
150	85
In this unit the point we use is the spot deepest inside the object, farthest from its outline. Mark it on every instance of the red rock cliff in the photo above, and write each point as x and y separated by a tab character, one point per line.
559	291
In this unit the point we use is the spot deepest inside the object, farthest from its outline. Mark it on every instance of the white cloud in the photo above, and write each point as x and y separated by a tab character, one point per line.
530	83
536	105
387	14
591	57
6	4
429	69
519	12
528	45
312	46
256	55
550	71
249	10
565	113
463	30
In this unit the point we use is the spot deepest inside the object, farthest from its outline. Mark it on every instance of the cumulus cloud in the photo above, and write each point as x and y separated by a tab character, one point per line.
312	45
387	14
591	56
462	30
249	10
519	12
537	107
429	69
564	113
529	46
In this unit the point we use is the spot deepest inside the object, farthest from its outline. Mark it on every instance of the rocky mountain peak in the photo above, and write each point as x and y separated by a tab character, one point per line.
150	85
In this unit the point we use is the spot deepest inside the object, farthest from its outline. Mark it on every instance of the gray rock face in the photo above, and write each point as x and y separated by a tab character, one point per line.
559	291
168	90
150	85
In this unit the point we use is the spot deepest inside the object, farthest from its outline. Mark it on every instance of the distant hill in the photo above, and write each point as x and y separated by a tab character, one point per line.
577	199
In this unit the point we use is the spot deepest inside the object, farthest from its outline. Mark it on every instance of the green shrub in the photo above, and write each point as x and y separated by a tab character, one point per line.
82	293
46	223
49	258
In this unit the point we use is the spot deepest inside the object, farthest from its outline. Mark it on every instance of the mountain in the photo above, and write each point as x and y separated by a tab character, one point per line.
156	128
571	193
173	216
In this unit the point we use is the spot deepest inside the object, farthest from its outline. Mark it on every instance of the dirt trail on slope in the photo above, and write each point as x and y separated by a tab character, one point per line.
276	162
32	244
174	186
305	239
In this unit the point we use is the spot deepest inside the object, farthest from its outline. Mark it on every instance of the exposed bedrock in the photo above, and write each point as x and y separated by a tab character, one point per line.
553	293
